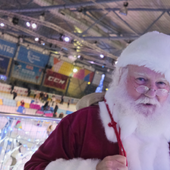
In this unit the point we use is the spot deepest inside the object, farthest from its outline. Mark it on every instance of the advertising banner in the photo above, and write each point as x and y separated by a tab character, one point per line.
27	73
66	68
55	80
32	57
7	48
4	61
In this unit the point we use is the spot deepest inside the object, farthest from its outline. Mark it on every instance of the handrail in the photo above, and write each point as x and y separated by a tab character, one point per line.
28	116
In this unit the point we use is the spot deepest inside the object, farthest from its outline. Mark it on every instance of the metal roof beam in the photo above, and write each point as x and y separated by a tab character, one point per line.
59	29
154	22
129	9
125	23
65	6
59	43
97	21
105	26
111	38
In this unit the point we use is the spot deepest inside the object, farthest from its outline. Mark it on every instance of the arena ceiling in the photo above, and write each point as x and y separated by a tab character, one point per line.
94	27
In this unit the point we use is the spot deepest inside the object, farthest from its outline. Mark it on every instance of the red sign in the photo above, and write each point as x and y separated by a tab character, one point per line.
55	80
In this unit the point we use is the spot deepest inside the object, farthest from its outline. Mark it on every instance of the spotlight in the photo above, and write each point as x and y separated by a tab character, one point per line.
101	56
34	25
36	39
124	10
2	24
92	62
103	76
28	24
89	82
106	89
15	21
116	62
66	39
75	70
80	57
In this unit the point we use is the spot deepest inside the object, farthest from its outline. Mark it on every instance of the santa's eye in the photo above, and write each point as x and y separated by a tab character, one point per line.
161	84
140	80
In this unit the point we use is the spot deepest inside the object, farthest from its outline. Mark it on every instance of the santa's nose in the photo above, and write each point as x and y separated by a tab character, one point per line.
151	93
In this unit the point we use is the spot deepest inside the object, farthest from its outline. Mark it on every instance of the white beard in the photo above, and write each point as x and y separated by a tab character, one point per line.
145	133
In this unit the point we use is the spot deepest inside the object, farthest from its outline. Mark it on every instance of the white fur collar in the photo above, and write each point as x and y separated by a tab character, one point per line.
152	154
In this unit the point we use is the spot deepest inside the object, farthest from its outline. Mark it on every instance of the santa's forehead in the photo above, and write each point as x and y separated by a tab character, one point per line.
143	71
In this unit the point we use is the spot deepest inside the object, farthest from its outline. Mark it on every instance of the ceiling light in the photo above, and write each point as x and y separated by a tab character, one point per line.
28	24
92	62
101	56
36	39
124	9
106	89
66	39
78	56
34	25
116	62
2	24
89	82
75	70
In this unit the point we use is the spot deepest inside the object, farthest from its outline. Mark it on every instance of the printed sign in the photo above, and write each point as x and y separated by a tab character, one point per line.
3	65
7	48
32	57
27	73
66	68
55	80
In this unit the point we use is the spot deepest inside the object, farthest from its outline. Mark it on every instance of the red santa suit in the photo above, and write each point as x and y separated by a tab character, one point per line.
79	135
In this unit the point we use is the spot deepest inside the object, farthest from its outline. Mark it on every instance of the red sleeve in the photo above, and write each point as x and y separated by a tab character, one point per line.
60	144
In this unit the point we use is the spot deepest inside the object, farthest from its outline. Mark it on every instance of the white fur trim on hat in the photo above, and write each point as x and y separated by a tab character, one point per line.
151	50
72	164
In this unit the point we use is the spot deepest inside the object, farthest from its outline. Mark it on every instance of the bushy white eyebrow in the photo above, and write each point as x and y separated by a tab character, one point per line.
145	75
139	74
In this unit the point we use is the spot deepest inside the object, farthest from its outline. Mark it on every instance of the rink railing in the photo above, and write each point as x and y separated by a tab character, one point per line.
20	137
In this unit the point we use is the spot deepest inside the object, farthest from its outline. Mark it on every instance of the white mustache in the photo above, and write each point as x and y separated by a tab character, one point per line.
145	100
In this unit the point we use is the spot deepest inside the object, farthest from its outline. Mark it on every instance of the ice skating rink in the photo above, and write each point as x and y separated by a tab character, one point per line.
22	134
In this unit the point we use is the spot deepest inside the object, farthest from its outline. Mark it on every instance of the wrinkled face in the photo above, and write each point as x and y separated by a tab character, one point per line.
139	77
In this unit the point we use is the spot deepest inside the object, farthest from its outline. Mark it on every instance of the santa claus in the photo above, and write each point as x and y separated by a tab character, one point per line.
130	128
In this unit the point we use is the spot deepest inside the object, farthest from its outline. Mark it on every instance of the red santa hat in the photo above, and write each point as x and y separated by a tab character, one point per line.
151	50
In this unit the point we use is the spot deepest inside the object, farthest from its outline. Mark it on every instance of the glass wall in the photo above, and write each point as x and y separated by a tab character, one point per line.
20	137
